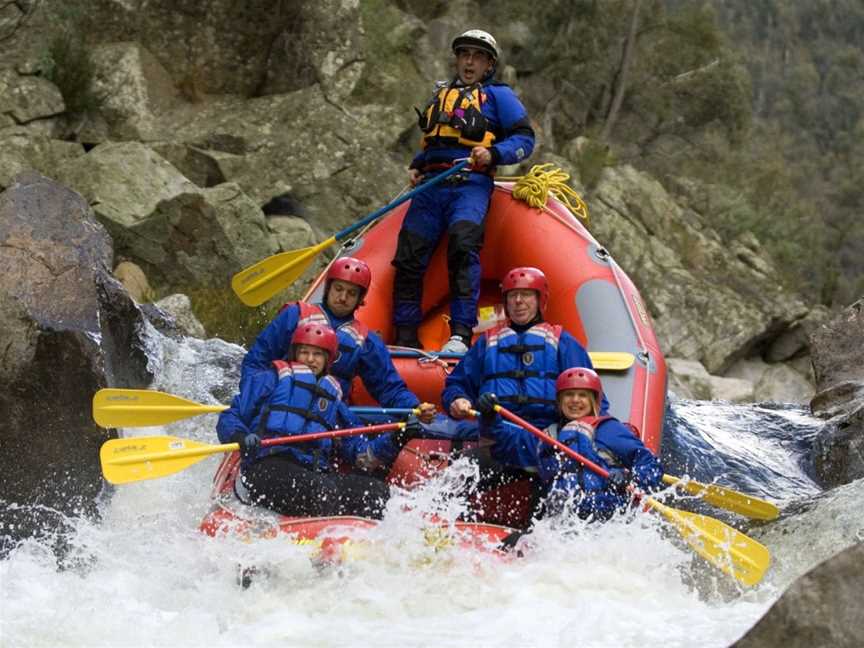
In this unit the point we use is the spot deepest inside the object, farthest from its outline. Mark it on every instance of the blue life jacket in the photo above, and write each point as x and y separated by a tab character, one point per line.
301	404
352	335
521	369
578	435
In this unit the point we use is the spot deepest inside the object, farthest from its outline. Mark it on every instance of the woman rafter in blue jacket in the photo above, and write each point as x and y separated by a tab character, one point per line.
361	352
298	397
603	440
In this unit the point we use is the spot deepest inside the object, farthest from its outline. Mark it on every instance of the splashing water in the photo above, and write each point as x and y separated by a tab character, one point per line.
145	575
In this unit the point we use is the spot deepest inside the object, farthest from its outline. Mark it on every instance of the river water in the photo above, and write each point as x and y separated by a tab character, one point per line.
145	576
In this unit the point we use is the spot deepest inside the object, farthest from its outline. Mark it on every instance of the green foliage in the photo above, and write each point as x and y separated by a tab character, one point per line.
68	65
764	98
593	157
224	316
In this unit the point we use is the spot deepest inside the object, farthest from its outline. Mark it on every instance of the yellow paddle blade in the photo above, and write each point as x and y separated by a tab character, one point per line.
728	549
139	458
726	498
258	283
611	360
142	408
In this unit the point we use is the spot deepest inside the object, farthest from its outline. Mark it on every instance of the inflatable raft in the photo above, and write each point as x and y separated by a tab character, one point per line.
590	296
332	540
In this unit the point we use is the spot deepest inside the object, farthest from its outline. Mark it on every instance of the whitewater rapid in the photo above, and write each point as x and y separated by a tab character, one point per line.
145	576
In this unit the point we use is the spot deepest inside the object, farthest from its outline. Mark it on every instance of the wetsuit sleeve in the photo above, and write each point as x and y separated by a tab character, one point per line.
365	452
418	161
513	446
245	410
564	472
273	342
632	453
345	418
573	354
380	376
467	376
515	141
572	481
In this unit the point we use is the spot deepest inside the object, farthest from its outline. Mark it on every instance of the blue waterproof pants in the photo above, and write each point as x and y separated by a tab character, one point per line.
459	208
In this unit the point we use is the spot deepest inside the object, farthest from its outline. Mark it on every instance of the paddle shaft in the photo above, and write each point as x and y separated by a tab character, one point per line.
540	434
130	408
725	547
725	498
602	360
332	434
456	168
129	455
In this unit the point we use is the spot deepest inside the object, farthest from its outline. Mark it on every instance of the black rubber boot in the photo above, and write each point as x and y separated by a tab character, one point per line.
406	336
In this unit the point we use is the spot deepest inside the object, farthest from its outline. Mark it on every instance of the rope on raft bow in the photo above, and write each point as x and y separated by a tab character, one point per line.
535	186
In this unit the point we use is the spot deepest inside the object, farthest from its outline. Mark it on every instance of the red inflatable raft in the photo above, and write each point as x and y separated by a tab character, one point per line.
590	295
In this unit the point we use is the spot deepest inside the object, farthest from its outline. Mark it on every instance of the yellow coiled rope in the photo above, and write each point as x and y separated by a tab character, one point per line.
535	186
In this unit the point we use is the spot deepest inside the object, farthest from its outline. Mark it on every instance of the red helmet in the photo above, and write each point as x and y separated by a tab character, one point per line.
317	335
580	378
351	270
529	279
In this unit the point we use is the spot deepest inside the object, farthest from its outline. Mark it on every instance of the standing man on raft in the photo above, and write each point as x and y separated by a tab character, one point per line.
471	116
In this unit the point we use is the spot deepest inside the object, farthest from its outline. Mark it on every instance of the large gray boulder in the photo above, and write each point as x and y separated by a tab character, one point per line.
179	234
135	90
822	608
21	151
68	328
304	145
30	101
838	363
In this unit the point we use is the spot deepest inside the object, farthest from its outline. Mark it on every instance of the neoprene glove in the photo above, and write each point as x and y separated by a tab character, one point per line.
510	541
249	444
619	480
486	403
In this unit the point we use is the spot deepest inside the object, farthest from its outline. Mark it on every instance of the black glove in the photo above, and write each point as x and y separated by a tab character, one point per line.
509	542
619	480
413	429
486	403
249	444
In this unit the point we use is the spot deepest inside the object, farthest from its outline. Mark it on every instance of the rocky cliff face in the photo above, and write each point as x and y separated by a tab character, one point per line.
293	101
210	112
838	361
179	178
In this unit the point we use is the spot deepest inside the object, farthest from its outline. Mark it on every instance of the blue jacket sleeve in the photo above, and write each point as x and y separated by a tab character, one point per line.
361	449
616	438
380	376
513	446
467	376
573	354
581	483
273	342
559	469
246	406
516	137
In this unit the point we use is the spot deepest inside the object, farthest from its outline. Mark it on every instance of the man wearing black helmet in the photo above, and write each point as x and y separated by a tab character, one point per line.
471	116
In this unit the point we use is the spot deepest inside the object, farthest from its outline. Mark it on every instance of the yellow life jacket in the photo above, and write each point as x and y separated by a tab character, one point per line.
454	117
